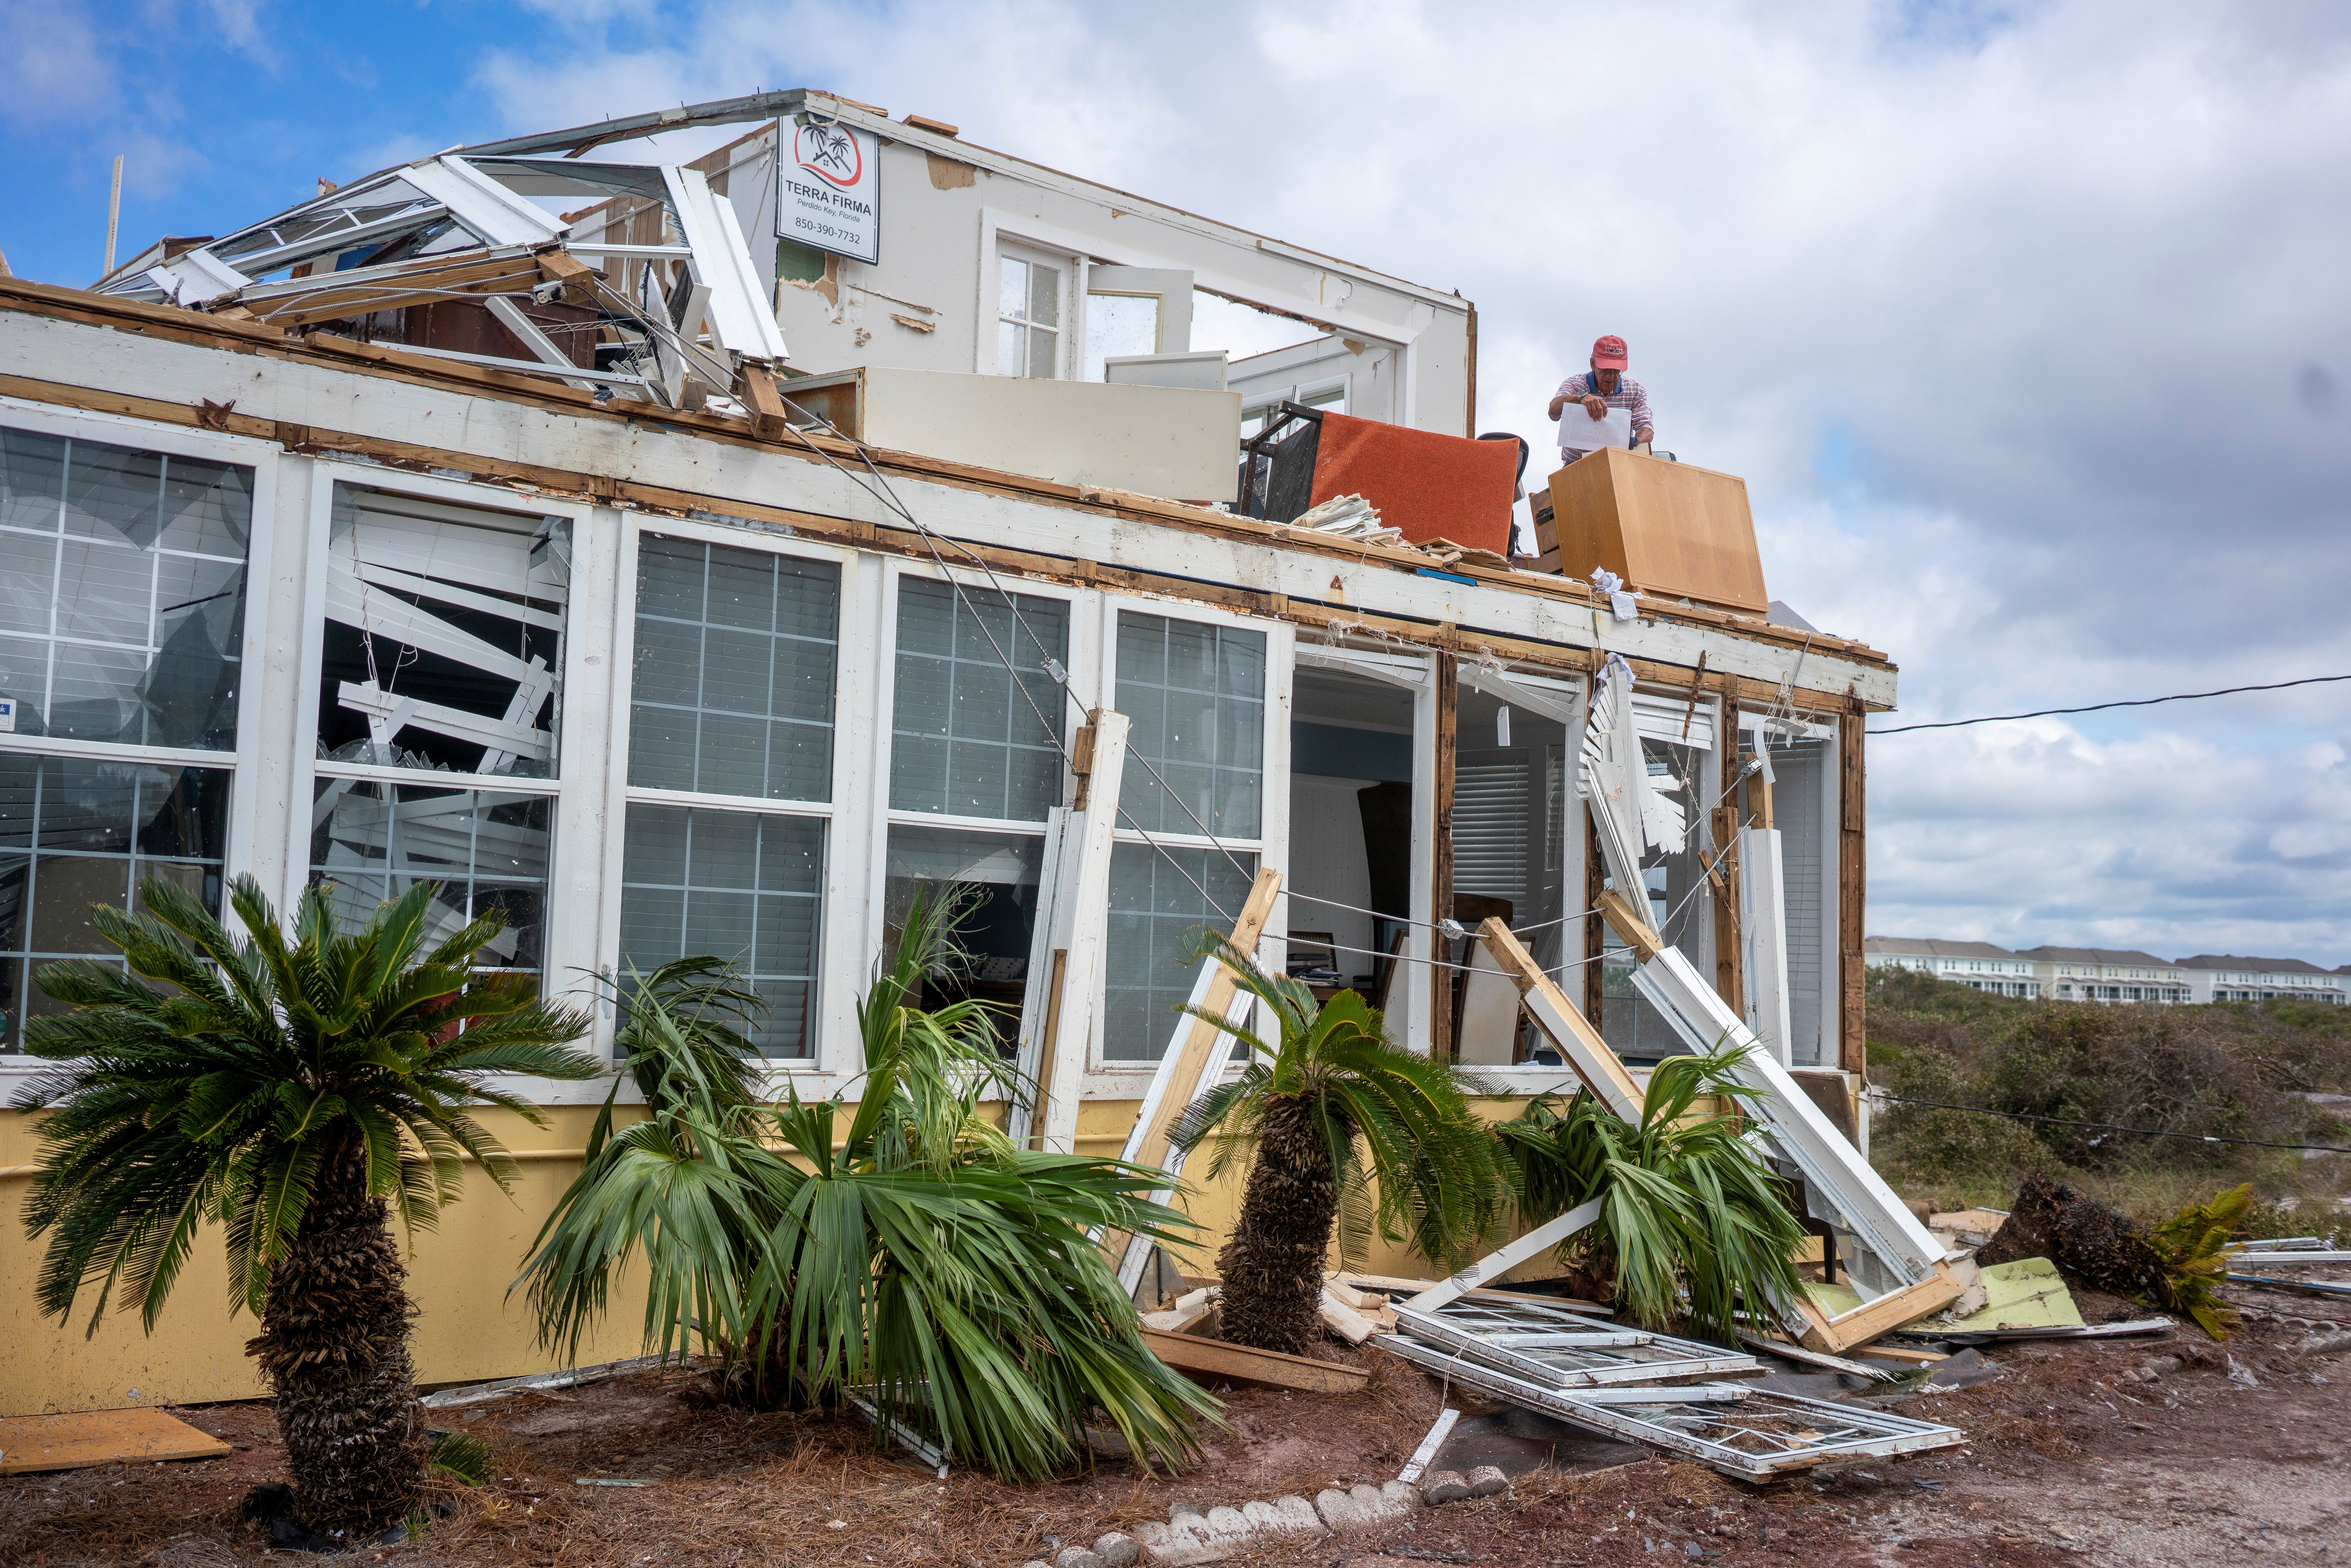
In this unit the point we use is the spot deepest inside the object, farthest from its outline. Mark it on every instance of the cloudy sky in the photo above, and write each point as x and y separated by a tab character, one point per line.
2028	324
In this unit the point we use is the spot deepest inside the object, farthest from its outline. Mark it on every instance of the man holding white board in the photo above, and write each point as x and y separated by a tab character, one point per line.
1611	408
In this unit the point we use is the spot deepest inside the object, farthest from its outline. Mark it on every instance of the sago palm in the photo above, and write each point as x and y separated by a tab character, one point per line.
896	1249
1694	1219
296	1093
1336	1118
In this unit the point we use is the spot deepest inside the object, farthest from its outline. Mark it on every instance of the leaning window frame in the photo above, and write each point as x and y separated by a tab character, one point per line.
838	977
244	761
1125	1080
574	888
1084	665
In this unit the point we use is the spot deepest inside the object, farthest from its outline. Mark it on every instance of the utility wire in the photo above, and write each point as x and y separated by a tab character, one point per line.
2117	1127
2101	707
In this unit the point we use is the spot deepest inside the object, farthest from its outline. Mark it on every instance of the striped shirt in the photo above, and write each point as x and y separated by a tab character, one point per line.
1630	395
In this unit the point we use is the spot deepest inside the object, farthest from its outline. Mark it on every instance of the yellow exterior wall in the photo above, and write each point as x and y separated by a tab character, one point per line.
458	1275
467	1329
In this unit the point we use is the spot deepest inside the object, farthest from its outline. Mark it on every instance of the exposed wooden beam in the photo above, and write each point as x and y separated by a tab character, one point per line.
1852	893
1586	1052
1211	1360
1441	987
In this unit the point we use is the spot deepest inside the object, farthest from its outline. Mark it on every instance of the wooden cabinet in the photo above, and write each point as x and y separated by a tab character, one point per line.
1665	527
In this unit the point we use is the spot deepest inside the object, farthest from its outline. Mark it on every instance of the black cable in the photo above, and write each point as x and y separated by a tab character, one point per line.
2100	708
2115	1127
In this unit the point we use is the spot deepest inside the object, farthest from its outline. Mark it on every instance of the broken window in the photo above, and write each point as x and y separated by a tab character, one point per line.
992	880
442	655
969	738
731	694
75	831
122	593
444	646
486	850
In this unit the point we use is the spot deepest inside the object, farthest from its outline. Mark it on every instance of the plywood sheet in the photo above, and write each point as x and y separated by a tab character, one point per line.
1665	527
99	1438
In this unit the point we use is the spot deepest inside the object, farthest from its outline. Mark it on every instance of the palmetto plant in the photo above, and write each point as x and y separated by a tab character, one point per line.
1694	1221
296	1094
1336	1120
898	1250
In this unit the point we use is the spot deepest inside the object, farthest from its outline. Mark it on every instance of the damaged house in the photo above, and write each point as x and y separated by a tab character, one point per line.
705	558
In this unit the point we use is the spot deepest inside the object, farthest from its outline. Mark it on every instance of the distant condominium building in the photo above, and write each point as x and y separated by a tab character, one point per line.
2226	977
1977	964
2107	975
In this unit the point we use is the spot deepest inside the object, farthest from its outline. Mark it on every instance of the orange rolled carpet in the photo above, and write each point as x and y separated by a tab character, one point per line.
1429	485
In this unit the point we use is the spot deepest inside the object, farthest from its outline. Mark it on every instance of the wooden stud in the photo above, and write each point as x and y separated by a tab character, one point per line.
1629	926
1594	1062
1209	1360
1729	968
1890	1312
1595	931
754	387
1853	866
1441	988
1045	1055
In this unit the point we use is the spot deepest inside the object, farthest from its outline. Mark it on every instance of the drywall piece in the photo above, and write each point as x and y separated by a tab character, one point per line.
31	1443
1177	443
1188	1067
1203	371
2025	1294
1489	1012
1070	931
1563	1021
1496	1264
1208	1360
1764	940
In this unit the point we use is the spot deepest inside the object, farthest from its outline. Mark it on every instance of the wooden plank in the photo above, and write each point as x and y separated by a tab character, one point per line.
1442	988
422	284
31	1443
1729	973
1887	1313
1190	1064
1595	929
1903	1352
1852	893
1208	1360
1345	1320
1599	1067
1426	1455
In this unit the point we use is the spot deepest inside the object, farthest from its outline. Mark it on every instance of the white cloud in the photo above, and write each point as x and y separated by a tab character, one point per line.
2008	315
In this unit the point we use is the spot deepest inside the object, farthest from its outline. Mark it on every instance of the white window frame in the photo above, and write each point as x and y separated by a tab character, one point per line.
242	853
1070	334
1107	1080
576	886
1084	656
839	975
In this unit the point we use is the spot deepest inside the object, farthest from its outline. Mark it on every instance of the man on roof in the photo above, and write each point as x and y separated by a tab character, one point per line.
1603	386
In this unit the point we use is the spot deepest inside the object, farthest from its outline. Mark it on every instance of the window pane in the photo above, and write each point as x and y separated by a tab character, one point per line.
1012	289
1000	759
1010	342
142	601
444	644
486	849
1119	324
993	880
76	832
740	886
1045	296
1196	696
733	687
1042	346
1159	898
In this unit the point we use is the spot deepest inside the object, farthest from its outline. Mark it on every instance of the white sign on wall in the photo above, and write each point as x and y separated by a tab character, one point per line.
828	187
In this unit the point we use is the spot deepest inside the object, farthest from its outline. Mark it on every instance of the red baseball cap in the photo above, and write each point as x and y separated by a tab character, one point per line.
1608	353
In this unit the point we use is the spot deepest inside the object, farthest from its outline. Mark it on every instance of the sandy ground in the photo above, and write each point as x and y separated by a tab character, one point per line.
2172	1451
